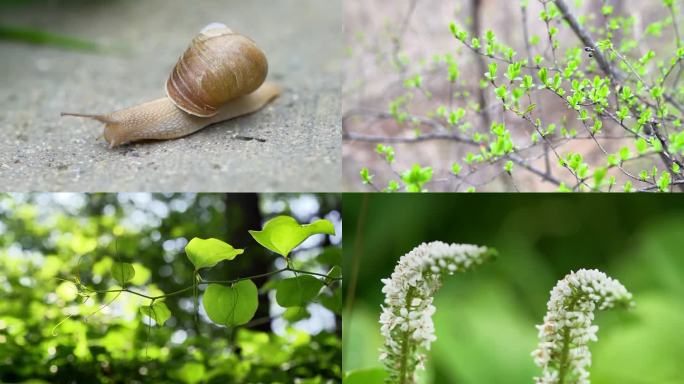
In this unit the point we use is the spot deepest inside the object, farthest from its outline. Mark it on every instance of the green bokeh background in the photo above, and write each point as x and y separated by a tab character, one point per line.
485	319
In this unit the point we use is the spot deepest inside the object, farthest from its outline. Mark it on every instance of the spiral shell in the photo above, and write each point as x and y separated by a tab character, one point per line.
218	66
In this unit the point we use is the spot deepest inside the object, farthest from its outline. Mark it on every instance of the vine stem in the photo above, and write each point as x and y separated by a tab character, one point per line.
203	282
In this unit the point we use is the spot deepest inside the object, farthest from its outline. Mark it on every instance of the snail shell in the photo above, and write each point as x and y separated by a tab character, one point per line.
219	77
218	66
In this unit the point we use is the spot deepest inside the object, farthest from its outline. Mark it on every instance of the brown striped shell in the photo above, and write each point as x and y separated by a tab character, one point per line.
218	66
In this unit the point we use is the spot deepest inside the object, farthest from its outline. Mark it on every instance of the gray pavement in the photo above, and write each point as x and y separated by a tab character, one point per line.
292	145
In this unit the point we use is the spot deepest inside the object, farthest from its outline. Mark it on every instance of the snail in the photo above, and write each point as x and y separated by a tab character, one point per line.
220	76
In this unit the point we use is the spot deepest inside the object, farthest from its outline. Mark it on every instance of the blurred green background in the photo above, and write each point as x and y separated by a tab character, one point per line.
47	238
485	319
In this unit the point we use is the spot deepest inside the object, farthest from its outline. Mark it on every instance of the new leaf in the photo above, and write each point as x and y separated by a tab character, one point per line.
205	253
123	272
283	233
158	312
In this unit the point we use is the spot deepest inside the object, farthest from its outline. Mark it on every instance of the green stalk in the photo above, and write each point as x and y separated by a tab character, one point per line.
403	370
563	367
405	348
564	356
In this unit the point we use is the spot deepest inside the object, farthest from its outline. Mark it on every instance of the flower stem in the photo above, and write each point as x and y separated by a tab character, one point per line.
403	369
404	372
563	368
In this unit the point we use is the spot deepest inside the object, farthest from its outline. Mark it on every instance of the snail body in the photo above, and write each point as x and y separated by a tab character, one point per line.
219	77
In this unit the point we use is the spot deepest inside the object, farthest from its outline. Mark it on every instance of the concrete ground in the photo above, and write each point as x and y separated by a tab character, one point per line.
292	145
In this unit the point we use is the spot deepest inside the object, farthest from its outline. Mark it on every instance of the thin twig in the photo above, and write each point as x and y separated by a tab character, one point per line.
587	40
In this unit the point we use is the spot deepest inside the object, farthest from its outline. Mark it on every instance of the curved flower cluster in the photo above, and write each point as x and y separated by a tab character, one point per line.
563	350
407	313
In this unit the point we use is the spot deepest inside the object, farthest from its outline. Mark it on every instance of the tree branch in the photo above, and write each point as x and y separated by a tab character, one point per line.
587	40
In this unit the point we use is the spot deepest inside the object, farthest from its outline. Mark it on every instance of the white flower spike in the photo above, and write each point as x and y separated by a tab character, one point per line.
406	317
563	350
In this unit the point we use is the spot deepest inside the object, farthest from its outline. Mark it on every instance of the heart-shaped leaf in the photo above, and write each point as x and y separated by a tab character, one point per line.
205	253
283	233
123	272
231	306
332	302
297	291
158	312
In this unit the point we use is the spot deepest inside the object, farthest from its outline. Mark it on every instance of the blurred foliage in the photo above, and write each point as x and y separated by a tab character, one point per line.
485	319
40	37
51	333
47	36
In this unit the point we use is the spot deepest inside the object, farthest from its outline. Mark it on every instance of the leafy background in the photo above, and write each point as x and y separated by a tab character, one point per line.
485	319
48	237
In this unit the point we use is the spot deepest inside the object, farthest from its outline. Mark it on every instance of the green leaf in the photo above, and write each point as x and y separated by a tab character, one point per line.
366	376
392	186
543	75
598	124
599	175
297	291
231	306
294	314
283	233
491	75
205	253
416	177
366	177
612	160
456	169
625	153
334	273
123	272
641	145
664	182
334	302
158	312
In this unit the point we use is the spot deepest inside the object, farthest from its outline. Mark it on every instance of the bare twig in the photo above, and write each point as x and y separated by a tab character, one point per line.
475	8
586	39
